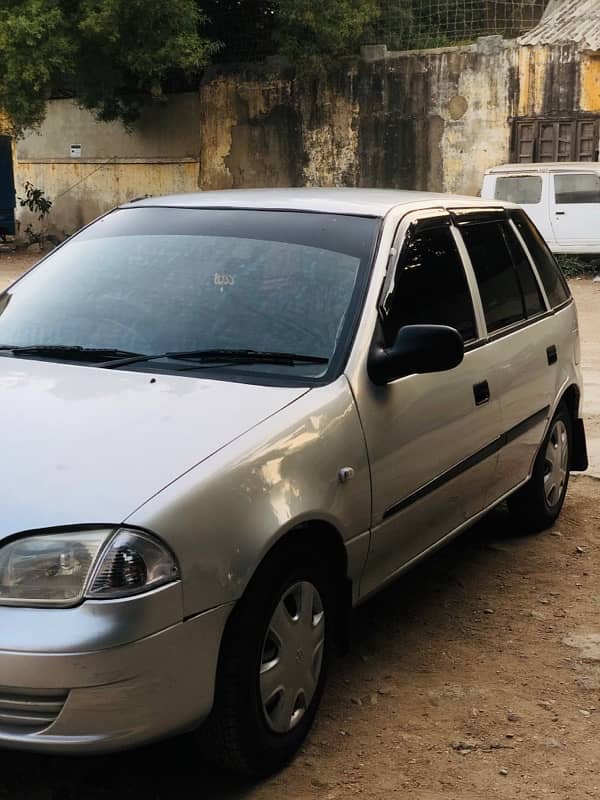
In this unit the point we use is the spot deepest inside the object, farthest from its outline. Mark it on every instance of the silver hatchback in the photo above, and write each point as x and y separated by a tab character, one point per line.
230	417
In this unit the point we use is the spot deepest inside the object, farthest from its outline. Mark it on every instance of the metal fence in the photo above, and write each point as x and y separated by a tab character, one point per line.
414	24
246	27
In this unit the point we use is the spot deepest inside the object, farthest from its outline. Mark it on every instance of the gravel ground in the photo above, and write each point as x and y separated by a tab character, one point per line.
476	675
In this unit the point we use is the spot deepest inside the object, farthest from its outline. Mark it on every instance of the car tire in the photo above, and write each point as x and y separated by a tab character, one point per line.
540	501
285	617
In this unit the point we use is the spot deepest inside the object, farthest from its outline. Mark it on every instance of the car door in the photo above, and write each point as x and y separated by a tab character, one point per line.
575	209
521	340
427	435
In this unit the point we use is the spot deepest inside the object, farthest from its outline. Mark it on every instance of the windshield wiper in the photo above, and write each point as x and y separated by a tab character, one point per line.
225	356
255	356
76	352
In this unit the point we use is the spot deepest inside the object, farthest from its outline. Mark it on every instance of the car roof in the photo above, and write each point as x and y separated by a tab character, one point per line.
363	202
548	166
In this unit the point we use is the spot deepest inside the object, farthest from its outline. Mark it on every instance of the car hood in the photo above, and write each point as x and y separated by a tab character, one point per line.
83	444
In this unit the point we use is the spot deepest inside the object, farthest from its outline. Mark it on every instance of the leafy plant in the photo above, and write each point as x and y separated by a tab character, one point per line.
314	33
110	55
36	201
575	266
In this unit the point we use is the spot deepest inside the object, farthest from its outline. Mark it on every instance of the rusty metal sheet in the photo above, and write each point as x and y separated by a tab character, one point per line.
568	21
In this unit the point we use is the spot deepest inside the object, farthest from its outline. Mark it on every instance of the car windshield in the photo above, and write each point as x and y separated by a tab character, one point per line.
156	280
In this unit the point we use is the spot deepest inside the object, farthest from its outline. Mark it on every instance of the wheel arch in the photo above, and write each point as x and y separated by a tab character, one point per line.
322	540
571	398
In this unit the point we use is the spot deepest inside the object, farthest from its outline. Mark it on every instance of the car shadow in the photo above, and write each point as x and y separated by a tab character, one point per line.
170	769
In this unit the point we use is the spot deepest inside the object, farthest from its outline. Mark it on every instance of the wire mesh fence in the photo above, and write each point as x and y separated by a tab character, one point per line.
246	27
414	24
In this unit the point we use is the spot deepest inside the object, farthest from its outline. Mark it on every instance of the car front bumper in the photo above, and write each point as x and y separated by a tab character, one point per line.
98	700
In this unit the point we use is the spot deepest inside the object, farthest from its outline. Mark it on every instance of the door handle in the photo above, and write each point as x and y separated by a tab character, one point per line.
481	392
552	354
560	213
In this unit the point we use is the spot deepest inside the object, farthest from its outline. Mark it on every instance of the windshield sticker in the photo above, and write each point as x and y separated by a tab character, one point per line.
223	279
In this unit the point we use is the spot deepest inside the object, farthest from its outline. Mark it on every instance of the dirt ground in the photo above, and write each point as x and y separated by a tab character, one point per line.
13	264
477	675
587	297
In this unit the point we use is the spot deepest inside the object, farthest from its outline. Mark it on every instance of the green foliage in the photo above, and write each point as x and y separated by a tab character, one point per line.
35	51
111	55
394	24
36	201
578	266
128	49
314	33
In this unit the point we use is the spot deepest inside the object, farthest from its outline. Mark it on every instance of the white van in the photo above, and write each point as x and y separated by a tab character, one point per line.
563	199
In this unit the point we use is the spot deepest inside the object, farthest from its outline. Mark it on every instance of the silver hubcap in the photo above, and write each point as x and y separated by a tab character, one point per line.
557	462
292	656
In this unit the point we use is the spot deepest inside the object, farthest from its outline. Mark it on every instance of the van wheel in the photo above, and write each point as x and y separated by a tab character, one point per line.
540	501
273	666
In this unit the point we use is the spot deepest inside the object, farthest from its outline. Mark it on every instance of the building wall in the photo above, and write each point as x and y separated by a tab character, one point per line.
425	120
166	129
430	119
590	82
159	156
82	191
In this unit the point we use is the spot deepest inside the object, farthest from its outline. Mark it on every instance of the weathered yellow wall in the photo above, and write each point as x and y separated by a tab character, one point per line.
159	156
428	120
81	190
475	110
533	67
590	82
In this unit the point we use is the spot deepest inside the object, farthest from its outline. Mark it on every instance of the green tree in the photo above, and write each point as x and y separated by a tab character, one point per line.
110	55
313	33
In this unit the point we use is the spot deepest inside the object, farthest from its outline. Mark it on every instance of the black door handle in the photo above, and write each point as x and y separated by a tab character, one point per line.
552	354
481	391
559	213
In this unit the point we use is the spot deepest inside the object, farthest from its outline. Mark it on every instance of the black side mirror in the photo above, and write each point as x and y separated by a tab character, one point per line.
417	349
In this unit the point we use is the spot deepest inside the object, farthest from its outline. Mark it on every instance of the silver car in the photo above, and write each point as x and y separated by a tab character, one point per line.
228	418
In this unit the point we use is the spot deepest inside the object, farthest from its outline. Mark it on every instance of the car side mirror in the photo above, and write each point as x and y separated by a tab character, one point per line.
417	349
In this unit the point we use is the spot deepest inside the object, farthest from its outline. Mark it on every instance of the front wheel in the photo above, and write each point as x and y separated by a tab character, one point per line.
540	501
272	667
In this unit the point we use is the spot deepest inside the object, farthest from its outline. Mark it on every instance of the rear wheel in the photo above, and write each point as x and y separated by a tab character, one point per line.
273	666
540	501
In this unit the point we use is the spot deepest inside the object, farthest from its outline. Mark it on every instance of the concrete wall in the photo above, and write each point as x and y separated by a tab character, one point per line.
82	191
430	119
427	120
159	156
165	130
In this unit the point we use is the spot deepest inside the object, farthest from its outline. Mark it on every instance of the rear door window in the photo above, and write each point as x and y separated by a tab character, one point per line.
522	189
577	188
532	295
430	286
509	291
550	273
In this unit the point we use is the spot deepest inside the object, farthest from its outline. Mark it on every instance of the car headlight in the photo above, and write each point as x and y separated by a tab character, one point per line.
62	568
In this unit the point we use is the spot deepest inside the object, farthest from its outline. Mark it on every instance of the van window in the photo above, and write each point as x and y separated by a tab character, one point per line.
497	277
583	187
523	189
430	285
550	273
